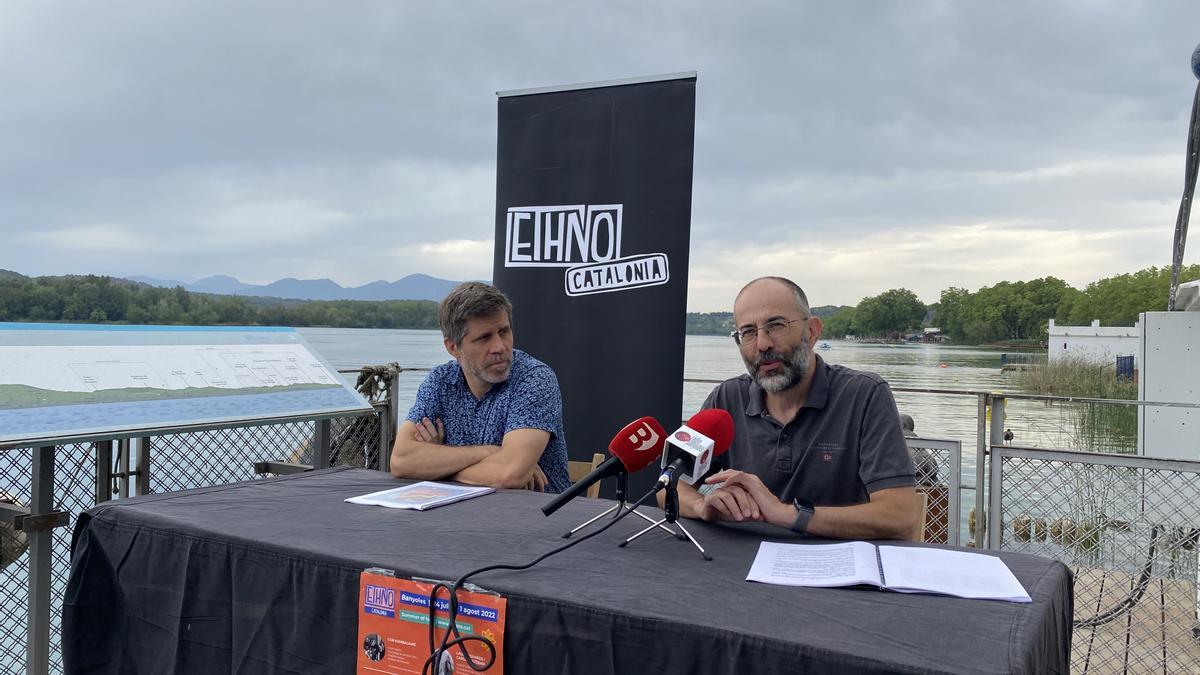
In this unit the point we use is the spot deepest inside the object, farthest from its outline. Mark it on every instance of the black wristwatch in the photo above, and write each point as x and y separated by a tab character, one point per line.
804	513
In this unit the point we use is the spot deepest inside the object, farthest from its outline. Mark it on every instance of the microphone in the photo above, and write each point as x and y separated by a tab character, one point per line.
634	448
1196	62
694	445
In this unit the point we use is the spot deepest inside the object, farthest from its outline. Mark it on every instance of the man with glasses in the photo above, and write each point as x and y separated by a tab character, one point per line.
493	415
817	447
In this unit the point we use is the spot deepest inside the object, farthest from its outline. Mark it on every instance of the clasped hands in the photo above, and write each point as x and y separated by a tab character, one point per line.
742	497
433	431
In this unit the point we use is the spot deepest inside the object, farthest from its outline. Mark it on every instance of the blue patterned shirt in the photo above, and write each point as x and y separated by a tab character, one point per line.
528	399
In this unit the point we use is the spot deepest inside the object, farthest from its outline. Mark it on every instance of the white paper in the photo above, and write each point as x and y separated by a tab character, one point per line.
822	565
914	569
420	496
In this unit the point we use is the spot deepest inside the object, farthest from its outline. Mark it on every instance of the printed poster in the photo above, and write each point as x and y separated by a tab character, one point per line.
393	626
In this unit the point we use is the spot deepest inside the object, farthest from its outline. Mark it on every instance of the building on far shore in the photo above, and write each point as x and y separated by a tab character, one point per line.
1093	343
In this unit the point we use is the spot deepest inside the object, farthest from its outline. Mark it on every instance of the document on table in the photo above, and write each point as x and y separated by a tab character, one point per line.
905	569
420	496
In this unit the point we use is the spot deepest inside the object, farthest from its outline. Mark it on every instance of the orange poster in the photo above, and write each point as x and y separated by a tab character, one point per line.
393	626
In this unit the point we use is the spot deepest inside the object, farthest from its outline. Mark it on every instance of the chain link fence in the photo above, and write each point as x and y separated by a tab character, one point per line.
174	462
16	466
938	465
1128	528
1126	525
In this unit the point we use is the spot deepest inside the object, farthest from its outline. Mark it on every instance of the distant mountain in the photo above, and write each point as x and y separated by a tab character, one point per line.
151	281
411	287
221	285
9	274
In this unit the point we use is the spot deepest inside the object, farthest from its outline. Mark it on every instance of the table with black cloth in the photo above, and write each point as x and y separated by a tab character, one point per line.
263	576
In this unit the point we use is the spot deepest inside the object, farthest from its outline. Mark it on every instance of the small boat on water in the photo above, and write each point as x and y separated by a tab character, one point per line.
824	346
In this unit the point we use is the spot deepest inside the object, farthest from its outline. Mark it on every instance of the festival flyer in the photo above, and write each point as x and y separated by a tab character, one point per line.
393	625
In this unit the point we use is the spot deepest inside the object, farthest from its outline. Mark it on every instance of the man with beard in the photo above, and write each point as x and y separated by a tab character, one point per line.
817	447
493	415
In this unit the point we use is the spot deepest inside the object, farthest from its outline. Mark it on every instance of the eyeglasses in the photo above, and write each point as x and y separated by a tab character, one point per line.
777	327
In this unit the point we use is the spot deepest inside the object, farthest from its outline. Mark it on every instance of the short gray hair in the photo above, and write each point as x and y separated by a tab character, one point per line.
469	300
801	298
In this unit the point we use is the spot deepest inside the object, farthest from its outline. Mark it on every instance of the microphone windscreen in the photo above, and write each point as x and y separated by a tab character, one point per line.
717	424
639	444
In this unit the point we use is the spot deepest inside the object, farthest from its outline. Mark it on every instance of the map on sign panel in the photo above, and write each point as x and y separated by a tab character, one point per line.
68	380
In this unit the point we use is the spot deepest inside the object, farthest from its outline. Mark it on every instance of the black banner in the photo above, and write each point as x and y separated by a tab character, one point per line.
593	217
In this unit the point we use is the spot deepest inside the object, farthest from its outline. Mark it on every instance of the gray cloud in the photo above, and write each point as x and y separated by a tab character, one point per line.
970	142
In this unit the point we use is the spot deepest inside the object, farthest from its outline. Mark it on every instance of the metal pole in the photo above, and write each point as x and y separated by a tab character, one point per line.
103	471
995	522
123	449
143	466
37	642
389	422
321	452
995	525
385	446
980	463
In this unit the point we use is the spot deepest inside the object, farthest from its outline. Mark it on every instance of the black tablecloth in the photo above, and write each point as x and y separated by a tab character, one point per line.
263	577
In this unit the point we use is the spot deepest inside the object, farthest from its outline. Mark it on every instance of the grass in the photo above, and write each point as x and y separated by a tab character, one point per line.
1104	427
1074	376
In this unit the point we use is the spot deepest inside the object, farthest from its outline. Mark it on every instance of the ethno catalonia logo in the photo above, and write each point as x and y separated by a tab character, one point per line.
585	239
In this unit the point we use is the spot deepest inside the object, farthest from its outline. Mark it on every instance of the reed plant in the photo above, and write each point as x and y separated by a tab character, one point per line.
1103	427
1077	377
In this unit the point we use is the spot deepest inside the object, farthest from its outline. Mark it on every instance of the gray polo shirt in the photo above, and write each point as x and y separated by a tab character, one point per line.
843	444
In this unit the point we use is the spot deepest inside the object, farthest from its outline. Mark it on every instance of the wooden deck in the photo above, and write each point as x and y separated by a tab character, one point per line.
1156	636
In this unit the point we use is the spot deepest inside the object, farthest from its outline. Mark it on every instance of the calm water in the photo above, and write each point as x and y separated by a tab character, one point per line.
717	358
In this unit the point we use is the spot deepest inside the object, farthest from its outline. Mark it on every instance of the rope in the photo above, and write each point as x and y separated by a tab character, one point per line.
1126	604
375	381
1185	206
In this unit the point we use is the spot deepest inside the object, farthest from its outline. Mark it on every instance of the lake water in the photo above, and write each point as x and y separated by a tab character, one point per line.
925	366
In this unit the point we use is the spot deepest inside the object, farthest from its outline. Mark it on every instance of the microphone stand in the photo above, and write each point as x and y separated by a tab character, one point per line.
618	508
671	515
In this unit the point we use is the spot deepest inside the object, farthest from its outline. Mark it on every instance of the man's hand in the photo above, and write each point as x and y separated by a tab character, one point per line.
537	480
430	431
742	497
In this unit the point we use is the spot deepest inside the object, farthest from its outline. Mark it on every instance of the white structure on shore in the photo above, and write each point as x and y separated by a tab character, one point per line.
1094	343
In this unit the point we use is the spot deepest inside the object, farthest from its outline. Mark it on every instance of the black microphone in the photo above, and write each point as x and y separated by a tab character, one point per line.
1196	62
633	448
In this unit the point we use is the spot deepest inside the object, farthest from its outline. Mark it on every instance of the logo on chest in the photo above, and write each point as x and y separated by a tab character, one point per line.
827	451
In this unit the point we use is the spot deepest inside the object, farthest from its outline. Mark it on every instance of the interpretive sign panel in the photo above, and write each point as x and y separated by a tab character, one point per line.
73	380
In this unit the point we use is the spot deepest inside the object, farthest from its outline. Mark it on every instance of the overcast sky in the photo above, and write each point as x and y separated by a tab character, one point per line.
852	146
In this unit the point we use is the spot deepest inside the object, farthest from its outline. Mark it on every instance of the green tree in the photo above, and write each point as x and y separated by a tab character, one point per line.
894	311
841	324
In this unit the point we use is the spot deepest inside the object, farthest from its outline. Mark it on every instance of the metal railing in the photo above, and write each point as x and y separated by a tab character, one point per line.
49	486
1126	525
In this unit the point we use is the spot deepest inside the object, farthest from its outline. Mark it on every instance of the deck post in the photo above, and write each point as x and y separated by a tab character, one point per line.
41	539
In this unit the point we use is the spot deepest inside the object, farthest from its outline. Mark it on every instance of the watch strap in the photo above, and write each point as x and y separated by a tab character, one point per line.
804	513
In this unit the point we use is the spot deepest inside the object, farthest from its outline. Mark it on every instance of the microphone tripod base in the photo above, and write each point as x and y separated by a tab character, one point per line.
677	535
616	510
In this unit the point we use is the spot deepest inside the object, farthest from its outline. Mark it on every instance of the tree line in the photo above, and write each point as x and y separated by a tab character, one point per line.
101	299
1007	311
1010	310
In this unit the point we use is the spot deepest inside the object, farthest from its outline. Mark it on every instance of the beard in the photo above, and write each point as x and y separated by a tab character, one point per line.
793	366
484	373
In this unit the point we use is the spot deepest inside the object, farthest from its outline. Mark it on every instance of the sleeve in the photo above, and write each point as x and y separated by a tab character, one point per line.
536	403
426	403
883	455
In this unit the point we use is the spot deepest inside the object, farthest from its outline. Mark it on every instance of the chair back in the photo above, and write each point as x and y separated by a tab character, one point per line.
578	470
923	506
